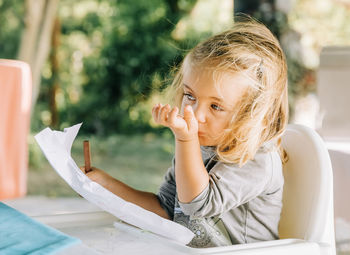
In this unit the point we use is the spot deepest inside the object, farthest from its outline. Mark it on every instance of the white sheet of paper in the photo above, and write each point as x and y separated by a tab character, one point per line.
56	146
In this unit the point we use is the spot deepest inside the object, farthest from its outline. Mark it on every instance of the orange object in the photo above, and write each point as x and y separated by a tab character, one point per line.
15	104
87	156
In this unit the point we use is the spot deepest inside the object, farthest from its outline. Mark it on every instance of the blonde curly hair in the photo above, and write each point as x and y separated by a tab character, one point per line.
262	113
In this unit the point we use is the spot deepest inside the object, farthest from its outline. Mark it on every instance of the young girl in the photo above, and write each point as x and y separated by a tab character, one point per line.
226	180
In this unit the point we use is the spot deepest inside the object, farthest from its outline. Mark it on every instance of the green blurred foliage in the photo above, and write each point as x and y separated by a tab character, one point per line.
115	56
11	25
135	50
137	160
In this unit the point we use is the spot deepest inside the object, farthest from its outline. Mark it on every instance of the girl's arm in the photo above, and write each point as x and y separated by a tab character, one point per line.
146	200
190	173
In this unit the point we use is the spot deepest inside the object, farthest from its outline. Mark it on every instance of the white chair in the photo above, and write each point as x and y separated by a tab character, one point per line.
308	192
307	223
333	89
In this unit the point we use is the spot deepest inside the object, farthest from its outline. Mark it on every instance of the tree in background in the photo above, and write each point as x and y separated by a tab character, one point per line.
138	49
113	58
36	37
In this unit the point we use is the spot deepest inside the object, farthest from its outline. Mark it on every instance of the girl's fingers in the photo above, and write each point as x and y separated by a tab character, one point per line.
163	115
82	168
173	115
155	111
188	113
190	118
159	110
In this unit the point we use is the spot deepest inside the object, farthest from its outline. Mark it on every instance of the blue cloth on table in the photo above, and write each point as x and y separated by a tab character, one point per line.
20	234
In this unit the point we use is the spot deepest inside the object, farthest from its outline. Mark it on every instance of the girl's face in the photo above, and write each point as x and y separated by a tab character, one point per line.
213	99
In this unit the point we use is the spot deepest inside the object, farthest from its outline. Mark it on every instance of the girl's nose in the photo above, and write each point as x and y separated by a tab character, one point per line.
199	113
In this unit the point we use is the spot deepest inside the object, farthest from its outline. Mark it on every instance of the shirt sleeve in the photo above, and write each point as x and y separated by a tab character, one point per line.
167	192
231	186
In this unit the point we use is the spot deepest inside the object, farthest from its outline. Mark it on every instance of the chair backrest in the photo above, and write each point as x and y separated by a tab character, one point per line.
15	104
333	82
307	211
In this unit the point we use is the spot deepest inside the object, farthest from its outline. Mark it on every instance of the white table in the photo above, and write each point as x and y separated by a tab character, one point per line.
94	227
102	233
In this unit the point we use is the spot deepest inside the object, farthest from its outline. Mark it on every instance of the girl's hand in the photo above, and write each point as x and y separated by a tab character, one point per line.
98	175
185	128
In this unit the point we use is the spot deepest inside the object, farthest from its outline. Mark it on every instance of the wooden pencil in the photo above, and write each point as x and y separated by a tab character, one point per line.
87	156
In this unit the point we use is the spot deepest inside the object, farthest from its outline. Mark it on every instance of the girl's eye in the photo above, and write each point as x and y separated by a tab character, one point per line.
189	97
216	107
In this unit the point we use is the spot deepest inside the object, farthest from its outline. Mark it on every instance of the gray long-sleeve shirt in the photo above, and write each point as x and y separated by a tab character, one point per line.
239	205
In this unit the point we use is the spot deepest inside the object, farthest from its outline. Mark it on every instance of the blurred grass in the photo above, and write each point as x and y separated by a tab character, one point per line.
138	160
